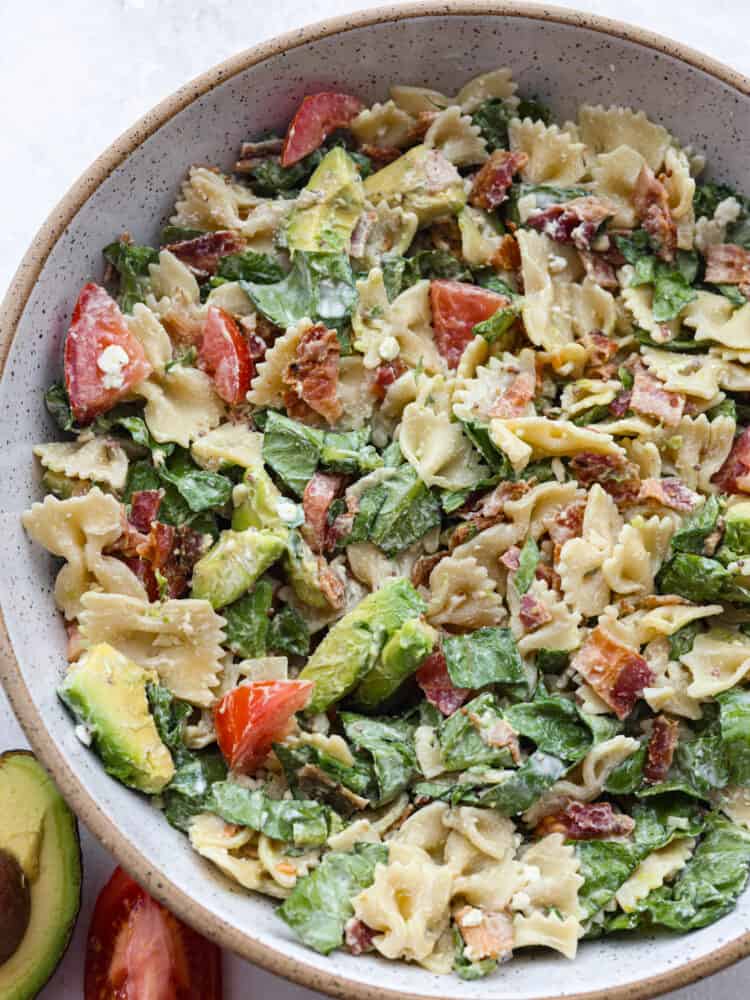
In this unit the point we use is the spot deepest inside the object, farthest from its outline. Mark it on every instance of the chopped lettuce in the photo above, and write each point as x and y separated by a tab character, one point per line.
707	198
695	529
527	564
288	633
201	490
463	740
492	118
495	328
681	641
304	824
486	656
734	720
701	580
131	263
554	724
395	513
522	787
247	621
672	284
400	273
260	268
301	763
390	743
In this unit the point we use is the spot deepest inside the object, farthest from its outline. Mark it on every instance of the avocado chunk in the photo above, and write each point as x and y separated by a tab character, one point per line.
39	834
736	541
352	646
328	207
423	181
261	505
107	693
401	657
234	563
303	569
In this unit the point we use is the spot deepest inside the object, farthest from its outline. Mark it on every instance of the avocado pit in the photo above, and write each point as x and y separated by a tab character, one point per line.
15	906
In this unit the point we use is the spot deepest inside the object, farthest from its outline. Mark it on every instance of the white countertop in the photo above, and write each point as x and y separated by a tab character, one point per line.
77	73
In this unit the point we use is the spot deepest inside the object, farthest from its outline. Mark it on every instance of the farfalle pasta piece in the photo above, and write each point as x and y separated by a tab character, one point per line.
463	595
355	393
615	175
641	547
560	628
267	388
179	639
656	868
555	157
228	444
668	690
173	280
78	530
581	560
556	889
496	84
181	405
685	373
96	460
377	323
474	398
718	660
546	438
697	449
457	138
583	394
734	802
371	566
637	303
384	125
605	129
680	188
714	318
225	845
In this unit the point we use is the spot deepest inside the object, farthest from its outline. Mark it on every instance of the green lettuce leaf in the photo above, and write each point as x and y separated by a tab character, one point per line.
486	656
695	529
390	743
734	719
681	641
522	787
288	633
358	777
492	118
201	490
131	263
672	285
495	328
700	579
58	405
259	268
247	621
400	273
304	824
707	197
554	724
461	742
395	513
527	564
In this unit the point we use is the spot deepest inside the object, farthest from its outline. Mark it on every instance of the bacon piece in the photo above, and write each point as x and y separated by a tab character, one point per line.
651	203
613	473
490	505
385	375
628	605
158	544
490	937
144	508
501	734
670	492
511	558
514	401
174	552
532	613
145	574
600	349
567	523
491	183
734	475
381	155
330	584
661	748
586	821
438	688
358	936
727	264
615	671
319	494
424	566
312	377
550	576
599	268
621	403
577	221
507	257
253	153
652	400
203	253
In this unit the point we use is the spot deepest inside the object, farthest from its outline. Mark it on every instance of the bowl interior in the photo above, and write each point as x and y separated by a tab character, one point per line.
562	63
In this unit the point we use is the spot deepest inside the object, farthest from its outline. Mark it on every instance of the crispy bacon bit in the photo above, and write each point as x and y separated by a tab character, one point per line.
621	403
613	473
330	584
445	234
577	221
599	268
501	734
382	155
549	575
490	505
734	475
648	602
358	936
652	207
157	545
488	937
670	492
438	688
202	254
420	127
514	401
586	821
507	257
600	349
567	523
424	566
253	153
615	671
511	558
312	377
182	324
491	183
661	748
533	613
319	494
145	573
727	264
652	400
174	552
144	508
385	375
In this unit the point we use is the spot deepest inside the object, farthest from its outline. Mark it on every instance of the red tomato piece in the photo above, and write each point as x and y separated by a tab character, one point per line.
98	324
456	309
317	116
251	717
138	951
226	357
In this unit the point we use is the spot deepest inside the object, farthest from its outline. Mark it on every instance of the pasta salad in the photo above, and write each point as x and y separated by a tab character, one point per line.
403	515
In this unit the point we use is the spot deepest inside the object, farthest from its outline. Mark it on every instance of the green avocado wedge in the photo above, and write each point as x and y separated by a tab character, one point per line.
329	206
39	831
234	563
401	657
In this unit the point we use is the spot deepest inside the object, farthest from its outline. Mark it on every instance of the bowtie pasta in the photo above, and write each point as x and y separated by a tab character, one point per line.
402	510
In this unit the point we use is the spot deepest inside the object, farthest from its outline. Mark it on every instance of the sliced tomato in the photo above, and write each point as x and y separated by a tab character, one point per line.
456	309
138	951
226	357
251	717
96	325
317	116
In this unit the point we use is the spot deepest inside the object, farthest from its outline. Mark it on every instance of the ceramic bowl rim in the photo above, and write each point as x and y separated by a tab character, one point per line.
79	797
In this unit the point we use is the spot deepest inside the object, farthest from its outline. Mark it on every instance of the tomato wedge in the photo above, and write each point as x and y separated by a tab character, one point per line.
96	381
138	951
317	116
226	357
456	308
251	717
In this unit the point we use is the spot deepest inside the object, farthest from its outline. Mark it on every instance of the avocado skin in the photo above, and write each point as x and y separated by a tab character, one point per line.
234	564
27	792
401	657
423	181
328	207
352	646
107	692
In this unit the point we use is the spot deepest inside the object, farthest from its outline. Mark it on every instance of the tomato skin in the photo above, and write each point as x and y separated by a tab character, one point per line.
252	716
456	308
317	116
137	950
97	323
225	355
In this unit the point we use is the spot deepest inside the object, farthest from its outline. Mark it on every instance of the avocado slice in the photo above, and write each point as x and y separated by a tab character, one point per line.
328	207
234	563
352	646
260	505
303	569
423	181
107	692
401	657
39	832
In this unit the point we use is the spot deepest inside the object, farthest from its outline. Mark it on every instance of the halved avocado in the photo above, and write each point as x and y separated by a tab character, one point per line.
40	832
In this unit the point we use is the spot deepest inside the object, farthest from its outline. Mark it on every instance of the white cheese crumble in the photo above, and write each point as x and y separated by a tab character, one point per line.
710	232
111	362
472	919
526	205
84	734
557	264
287	510
389	348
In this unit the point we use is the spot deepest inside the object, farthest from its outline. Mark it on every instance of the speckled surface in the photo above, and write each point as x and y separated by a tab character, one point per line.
555	61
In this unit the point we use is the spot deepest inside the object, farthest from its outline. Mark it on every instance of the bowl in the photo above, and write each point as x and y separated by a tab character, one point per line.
561	56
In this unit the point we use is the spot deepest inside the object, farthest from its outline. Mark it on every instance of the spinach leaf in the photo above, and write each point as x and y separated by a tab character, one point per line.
176	234
627	776
498	462
464	967
170	716
173	509
455	793
554	724
707	197
531	107
247	621
672	285
461	736
390	743
291	820
187	793
320	286
527	564
699	769
348	452
297	760
396	512
486	656
291	449
260	268
695	529
633	245
201	490
288	633
700	579
492	118
736	542
523	787
400	273
681	641
58	405
131	263
734	720
499	323
320	903
268	178
552	661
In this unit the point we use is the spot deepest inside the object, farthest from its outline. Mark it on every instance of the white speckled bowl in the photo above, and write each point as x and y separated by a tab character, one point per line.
561	56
